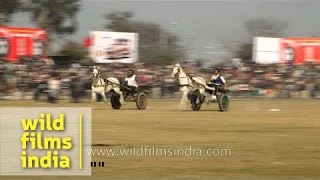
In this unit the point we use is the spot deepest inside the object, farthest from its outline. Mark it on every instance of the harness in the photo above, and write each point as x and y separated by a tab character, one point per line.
101	82
188	78
108	82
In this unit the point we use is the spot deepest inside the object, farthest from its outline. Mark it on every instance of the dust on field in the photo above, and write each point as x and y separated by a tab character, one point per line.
269	139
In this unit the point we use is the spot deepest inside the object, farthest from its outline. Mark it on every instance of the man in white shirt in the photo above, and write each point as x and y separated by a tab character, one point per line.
131	82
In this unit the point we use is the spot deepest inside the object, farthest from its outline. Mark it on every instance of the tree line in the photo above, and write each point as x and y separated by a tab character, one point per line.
156	44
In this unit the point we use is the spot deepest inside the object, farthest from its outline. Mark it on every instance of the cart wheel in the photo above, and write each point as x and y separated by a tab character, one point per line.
195	101
141	101
223	101
115	101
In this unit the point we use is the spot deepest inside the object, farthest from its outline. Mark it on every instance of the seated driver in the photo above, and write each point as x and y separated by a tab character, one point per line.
131	81
219	82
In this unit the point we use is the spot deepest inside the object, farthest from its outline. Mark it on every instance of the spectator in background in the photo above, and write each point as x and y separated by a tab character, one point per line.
41	87
77	89
54	88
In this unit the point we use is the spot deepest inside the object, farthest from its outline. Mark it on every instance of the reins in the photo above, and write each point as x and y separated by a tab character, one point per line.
178	77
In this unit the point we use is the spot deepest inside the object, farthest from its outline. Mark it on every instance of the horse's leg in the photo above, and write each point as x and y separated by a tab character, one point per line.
121	97
104	96
117	90
93	96
203	95
202	90
183	101
184	98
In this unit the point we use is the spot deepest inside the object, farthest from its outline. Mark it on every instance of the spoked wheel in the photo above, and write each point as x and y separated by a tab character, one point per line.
223	101
115	101
195	101
141	100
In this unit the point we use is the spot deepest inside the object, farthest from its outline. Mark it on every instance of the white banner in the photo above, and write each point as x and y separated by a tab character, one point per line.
266	50
114	47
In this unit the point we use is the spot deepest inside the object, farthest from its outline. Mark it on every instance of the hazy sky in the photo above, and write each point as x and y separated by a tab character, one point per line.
201	25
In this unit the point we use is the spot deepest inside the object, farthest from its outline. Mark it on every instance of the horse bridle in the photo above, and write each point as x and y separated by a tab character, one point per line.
177	76
100	79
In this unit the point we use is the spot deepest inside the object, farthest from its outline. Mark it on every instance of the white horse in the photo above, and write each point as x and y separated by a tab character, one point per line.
187	84
98	85
102	86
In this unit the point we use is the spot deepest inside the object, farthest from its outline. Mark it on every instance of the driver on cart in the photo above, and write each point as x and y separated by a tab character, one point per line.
217	81
131	82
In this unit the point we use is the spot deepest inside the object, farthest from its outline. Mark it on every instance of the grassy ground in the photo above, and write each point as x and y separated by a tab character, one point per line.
265	144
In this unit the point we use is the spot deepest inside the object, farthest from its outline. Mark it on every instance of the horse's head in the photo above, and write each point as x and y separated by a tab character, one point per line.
176	70
96	71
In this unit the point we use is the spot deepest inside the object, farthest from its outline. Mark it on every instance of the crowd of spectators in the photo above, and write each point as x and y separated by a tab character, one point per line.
42	79
277	80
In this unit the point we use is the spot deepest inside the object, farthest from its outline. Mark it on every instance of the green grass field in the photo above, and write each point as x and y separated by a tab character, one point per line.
265	144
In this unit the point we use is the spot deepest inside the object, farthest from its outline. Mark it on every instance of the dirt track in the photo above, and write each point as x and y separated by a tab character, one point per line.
273	139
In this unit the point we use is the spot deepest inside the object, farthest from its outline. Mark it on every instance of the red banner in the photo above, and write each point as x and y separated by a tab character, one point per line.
16	42
299	50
